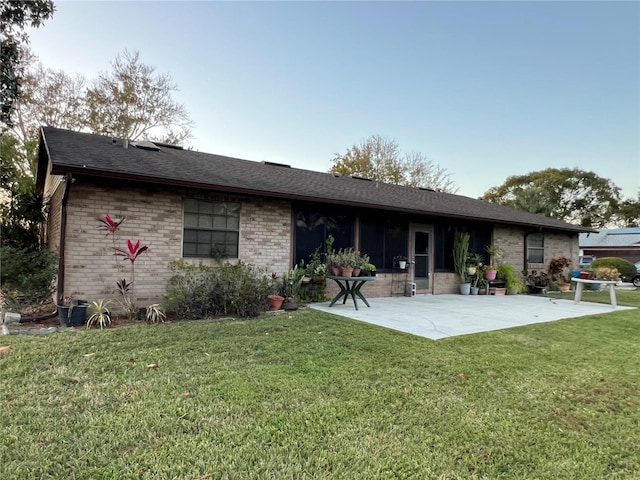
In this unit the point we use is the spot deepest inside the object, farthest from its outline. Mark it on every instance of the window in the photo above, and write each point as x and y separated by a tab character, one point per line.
313	225
211	229
383	240
535	248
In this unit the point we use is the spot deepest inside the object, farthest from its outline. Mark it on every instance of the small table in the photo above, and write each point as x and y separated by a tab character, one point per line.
608	283
350	286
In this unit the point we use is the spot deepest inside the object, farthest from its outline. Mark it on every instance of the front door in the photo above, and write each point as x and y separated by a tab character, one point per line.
422	260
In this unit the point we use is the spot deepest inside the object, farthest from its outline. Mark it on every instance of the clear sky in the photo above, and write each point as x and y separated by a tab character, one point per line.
483	89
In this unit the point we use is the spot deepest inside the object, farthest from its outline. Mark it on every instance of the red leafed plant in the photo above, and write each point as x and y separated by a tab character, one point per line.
109	225
130	252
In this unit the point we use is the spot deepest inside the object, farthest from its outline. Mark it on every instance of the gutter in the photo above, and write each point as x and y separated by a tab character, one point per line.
63	238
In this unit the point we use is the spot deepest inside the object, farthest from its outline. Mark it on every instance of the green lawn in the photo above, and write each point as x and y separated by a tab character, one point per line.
311	395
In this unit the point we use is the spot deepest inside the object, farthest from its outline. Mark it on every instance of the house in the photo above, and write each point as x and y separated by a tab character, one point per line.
616	242
192	206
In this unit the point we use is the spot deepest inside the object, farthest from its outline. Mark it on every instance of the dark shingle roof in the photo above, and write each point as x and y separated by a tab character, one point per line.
96	155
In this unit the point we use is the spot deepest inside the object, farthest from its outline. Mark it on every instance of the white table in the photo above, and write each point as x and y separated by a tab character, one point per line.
607	283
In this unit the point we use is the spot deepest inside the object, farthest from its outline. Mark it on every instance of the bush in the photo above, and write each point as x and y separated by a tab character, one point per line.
27	275
626	268
198	291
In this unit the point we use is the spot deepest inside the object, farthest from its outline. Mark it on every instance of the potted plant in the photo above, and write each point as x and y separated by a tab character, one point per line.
557	267
604	274
537	282
460	255
347	260
369	269
494	258
512	278
291	282
401	261
475	271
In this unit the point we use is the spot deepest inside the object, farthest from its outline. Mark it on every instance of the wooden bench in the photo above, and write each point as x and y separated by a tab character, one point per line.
607	283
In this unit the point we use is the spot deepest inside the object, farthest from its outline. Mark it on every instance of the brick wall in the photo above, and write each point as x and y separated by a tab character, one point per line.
511	242
154	216
265	234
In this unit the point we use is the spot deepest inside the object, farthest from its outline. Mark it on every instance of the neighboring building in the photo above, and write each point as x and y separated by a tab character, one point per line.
193	206
617	242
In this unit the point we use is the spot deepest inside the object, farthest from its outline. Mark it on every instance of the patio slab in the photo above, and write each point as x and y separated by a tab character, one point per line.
443	316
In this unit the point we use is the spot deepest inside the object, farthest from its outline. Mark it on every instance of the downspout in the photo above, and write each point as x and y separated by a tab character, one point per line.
63	236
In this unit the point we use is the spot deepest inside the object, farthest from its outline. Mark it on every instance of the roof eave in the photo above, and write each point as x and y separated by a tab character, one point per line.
59	170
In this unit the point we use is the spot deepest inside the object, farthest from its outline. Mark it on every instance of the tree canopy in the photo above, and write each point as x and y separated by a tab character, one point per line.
379	158
573	195
15	15
133	101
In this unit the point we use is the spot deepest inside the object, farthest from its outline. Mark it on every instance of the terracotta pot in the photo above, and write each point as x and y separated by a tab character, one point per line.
275	302
346	271
564	287
356	272
335	271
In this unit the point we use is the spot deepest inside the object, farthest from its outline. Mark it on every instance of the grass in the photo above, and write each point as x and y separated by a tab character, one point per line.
311	395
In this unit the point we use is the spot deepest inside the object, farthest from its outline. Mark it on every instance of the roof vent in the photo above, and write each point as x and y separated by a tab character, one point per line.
146	145
274	164
335	174
169	145
357	177
426	189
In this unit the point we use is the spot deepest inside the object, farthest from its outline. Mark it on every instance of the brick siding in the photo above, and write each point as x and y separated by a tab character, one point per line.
153	216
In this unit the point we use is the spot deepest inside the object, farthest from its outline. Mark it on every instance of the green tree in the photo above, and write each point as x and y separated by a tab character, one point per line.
573	195
15	15
133	101
379	158
628	214
20	202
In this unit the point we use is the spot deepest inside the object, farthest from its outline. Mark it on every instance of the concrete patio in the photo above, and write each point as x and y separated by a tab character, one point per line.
442	316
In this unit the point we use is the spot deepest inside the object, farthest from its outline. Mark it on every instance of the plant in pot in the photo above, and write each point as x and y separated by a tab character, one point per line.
400	261
369	269
557	268
347	261
475	271
495	256
512	278
604	274
460	255
537	282
291	282
275	299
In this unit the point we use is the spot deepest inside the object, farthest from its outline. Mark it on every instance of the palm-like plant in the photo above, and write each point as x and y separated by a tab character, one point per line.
100	314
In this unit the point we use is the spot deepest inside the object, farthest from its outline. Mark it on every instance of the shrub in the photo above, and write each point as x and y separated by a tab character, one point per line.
198	291
627	269
27	275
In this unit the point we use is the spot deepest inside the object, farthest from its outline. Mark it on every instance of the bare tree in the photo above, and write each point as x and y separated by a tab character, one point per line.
133	101
379	158
420	172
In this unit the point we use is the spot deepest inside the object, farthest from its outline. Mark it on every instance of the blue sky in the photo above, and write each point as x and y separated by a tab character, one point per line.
483	89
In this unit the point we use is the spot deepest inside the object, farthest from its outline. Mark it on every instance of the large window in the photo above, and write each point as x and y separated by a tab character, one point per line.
535	248
479	239
210	229
314	225
383	240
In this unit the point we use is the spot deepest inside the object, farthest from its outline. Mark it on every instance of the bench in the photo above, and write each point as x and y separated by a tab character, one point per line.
607	283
